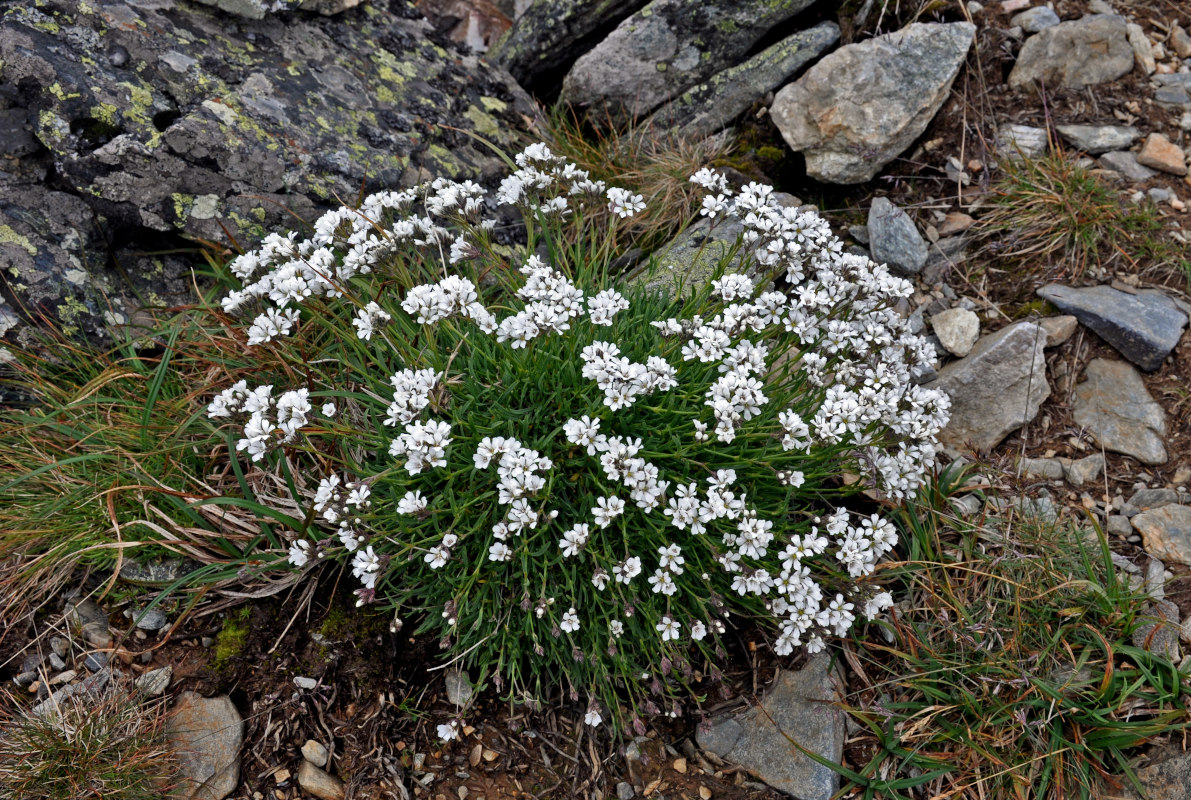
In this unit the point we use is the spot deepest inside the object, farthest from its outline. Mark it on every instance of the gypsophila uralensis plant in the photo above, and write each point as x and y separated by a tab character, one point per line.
572	483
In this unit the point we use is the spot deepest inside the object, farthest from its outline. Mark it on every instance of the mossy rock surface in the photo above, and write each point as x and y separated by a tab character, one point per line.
130	129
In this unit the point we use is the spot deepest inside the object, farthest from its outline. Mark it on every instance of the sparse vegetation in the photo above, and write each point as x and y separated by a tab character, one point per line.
1057	217
1009	669
110	746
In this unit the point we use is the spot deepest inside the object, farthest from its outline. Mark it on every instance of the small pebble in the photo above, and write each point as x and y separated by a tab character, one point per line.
56	662
302	682
96	661
206	641
118	56
60	646
63	677
152	620
315	753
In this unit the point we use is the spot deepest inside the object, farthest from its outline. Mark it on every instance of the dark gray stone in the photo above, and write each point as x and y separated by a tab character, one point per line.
157	573
1114	406
1097	139
1145	499
205	123
894	238
1049	468
712	106
1074	54
799	707
1143	327
1172	96
996	389
95	661
666	48
862	105
152	619
459	688
550	35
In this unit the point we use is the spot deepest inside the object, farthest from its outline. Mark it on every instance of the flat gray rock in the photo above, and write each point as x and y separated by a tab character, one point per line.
1125	163
1114	406
1070	55
666	48
862	105
1022	140
996	389
690	260
1166	532
799	707
207	734
1035	19
713	105
893	238
1097	139
1084	470
1143	327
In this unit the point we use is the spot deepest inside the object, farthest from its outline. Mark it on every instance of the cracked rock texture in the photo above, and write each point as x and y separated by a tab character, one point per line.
668	47
132	129
862	105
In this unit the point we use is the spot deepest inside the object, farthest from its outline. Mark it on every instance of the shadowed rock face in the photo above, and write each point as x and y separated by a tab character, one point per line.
129	129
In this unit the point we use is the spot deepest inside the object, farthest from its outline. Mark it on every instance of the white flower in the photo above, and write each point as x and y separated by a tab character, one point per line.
499	551
698	631
573	540
299	553
669	628
411	502
592	717
449	731
624	203
616	627
328	409
607	509
626	570
570	621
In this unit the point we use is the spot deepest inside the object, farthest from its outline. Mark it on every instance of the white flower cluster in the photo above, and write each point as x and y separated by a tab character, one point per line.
621	380
545	183
830	325
271	421
517	471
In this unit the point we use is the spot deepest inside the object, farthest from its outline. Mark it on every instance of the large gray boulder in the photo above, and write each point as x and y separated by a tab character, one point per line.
133	132
1074	54
996	389
861	106
546	39
713	105
668	47
257	9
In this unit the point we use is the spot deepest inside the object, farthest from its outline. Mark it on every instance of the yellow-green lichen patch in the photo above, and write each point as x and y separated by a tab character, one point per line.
105	113
483	123
445	160
728	26
182	205
493	104
56	90
9	236
69	313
